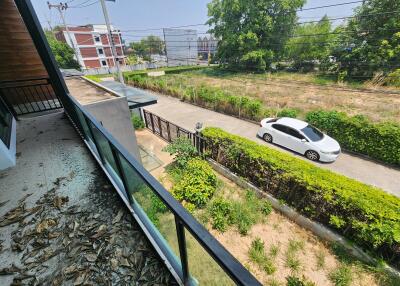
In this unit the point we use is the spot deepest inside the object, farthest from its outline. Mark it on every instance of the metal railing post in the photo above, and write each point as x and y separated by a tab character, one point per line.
180	232
152	122
123	177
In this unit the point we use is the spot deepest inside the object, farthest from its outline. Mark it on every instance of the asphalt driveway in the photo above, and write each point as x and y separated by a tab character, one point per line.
187	115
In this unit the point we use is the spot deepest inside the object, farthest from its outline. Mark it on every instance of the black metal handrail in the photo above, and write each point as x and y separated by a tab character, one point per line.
29	96
155	124
99	140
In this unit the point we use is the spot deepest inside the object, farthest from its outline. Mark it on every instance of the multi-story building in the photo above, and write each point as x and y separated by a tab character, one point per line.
92	44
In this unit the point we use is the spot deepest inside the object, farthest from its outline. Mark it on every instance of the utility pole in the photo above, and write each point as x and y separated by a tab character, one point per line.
60	7
111	41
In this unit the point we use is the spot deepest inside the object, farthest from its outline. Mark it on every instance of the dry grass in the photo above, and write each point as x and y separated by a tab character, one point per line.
303	92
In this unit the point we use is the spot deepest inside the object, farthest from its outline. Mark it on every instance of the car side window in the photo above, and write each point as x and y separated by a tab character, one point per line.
280	127
295	133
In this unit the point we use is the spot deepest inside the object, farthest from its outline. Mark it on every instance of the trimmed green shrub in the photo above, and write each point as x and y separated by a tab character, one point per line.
197	184
380	141
137	122
288	112
363	213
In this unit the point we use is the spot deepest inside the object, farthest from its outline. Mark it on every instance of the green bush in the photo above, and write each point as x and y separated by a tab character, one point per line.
183	151
288	112
197	184
365	214
380	141
220	211
137	121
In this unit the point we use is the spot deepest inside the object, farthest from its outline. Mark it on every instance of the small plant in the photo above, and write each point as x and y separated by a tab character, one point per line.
220	211
320	256
137	122
341	276
183	151
291	255
257	255
296	281
274	250
266	207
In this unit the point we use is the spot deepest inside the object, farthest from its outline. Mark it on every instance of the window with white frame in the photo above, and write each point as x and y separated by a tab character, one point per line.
103	63
100	51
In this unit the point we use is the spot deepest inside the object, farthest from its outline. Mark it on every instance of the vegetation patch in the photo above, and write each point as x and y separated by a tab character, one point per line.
367	215
137	121
258	255
243	214
377	140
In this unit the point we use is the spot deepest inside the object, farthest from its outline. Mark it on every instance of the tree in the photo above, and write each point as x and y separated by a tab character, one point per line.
251	34
305	50
63	53
371	40
148	46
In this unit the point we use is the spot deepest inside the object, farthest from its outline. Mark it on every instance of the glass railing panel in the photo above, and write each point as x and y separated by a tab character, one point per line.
203	269
104	148
157	214
82	121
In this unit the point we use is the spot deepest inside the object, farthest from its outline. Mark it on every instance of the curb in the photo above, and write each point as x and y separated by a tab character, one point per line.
316	228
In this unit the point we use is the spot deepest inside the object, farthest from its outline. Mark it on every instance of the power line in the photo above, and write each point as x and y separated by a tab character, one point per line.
84	6
328	6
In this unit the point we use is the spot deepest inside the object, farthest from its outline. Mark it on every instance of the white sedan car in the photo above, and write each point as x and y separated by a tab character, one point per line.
300	137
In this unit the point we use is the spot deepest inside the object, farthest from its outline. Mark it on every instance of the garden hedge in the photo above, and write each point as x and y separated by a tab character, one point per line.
380	141
362	213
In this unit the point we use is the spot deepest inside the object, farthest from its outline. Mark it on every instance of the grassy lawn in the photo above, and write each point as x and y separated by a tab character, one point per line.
304	92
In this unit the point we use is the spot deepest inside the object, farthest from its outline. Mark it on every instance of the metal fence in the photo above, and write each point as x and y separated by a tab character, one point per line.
29	96
170	131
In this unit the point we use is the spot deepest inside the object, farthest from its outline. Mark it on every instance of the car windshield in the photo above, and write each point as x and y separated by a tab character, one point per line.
312	133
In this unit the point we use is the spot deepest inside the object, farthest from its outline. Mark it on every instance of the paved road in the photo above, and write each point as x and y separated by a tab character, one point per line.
187	115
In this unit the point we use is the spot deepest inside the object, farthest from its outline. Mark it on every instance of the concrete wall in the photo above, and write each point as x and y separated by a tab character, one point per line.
7	155
115	116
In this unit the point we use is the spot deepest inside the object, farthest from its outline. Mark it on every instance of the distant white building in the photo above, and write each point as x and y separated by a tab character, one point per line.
181	47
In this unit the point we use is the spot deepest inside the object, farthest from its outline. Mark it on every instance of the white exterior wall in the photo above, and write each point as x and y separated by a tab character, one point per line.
8	155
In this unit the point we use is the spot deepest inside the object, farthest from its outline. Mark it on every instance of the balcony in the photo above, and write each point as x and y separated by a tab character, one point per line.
60	218
77	207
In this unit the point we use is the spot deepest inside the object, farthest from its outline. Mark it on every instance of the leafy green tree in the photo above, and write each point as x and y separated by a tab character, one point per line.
305	50
252	34
370	43
63	53
148	46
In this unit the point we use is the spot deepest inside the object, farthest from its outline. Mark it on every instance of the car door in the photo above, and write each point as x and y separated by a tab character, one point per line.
296	141
279	135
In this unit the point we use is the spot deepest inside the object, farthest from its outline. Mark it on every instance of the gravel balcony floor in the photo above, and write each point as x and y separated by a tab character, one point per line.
61	222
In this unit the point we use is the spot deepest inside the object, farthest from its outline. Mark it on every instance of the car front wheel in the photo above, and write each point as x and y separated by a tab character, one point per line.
267	137
312	155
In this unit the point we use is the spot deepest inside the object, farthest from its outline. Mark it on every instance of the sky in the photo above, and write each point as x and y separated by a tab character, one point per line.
136	15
